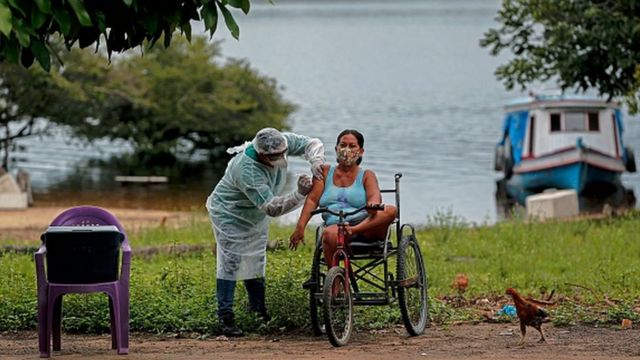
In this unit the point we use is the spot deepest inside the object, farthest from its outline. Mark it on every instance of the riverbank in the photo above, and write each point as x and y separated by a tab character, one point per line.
26	225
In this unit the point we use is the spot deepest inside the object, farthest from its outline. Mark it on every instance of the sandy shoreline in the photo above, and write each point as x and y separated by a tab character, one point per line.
28	224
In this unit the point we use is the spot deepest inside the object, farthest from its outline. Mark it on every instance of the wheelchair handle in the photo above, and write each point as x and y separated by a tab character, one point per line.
342	214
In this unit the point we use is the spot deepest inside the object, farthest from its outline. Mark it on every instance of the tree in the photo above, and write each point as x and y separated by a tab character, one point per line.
26	26
174	101
29	96
581	44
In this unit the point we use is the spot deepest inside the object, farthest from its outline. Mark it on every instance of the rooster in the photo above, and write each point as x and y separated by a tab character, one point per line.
460	283
528	313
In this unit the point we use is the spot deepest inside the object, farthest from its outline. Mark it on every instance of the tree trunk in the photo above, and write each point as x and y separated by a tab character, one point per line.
6	143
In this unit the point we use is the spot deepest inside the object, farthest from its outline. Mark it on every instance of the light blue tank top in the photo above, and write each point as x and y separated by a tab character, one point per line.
347	199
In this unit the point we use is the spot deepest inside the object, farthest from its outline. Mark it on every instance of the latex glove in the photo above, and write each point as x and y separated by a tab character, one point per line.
304	184
316	169
296	239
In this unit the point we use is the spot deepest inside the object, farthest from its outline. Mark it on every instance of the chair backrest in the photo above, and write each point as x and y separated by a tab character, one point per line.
83	246
396	191
86	216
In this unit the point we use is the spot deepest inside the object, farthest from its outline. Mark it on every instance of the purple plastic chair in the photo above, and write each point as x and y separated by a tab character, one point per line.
50	293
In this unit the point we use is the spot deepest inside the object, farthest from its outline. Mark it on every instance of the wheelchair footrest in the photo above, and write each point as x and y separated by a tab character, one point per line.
370	298
406	283
309	284
371	302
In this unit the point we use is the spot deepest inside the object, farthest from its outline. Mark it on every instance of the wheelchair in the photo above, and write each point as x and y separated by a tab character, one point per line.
364	275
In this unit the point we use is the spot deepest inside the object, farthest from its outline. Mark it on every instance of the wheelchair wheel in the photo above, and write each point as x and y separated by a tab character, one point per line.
412	286
338	307
315	304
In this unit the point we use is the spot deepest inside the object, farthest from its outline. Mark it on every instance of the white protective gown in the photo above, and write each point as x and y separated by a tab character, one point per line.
239	205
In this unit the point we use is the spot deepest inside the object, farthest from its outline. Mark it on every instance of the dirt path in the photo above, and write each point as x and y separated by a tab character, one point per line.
482	341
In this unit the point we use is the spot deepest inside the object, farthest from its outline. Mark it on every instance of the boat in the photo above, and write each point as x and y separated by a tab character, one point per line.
562	142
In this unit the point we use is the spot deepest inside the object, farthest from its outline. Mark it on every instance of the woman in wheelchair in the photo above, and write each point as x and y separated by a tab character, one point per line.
346	186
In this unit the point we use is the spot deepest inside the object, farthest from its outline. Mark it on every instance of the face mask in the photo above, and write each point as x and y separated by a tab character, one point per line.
347	156
280	163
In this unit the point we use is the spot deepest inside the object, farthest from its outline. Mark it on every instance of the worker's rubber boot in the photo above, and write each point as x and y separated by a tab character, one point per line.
263	315
228	326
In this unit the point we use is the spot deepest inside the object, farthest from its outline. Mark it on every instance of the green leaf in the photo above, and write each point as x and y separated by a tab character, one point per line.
63	19
38	18
12	50
209	14
128	2
26	57
22	32
19	5
102	20
81	12
151	22
231	23
167	37
186	29
5	19
41	53
240	4
44	5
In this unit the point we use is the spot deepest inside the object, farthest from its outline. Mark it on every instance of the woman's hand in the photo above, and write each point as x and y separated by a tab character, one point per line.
373	211
296	238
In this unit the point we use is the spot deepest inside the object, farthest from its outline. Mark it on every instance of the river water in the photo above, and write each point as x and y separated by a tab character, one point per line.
408	74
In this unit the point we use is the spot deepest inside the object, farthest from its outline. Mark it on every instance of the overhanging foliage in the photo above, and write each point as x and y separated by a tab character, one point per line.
581	44
25	26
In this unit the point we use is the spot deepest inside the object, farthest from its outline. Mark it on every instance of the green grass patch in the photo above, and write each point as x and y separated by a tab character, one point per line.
591	264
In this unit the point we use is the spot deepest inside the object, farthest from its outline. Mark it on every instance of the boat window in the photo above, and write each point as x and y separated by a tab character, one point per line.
594	122
574	121
555	122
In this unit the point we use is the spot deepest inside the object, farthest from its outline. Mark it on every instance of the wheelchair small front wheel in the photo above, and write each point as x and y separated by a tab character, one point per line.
338	307
412	286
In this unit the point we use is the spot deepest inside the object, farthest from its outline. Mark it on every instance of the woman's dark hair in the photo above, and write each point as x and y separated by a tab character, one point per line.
353	132
358	136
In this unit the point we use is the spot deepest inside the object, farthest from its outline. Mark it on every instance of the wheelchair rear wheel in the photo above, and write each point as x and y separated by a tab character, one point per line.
412	286
317	286
338	307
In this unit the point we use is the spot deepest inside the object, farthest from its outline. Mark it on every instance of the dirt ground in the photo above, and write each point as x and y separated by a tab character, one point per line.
481	341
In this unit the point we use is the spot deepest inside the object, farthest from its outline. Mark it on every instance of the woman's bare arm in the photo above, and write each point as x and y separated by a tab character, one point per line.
371	187
313	198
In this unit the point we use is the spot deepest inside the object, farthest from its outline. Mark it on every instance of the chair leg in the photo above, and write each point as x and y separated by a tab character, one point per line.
50	313
43	329
123	323
112	315
56	328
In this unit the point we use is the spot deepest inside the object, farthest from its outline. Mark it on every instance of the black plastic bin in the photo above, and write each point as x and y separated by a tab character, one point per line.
82	254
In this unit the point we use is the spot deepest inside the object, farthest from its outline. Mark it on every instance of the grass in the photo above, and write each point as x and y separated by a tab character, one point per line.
591	264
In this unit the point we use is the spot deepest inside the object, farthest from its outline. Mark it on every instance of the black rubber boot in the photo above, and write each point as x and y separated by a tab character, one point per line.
256	291
264	315
228	326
